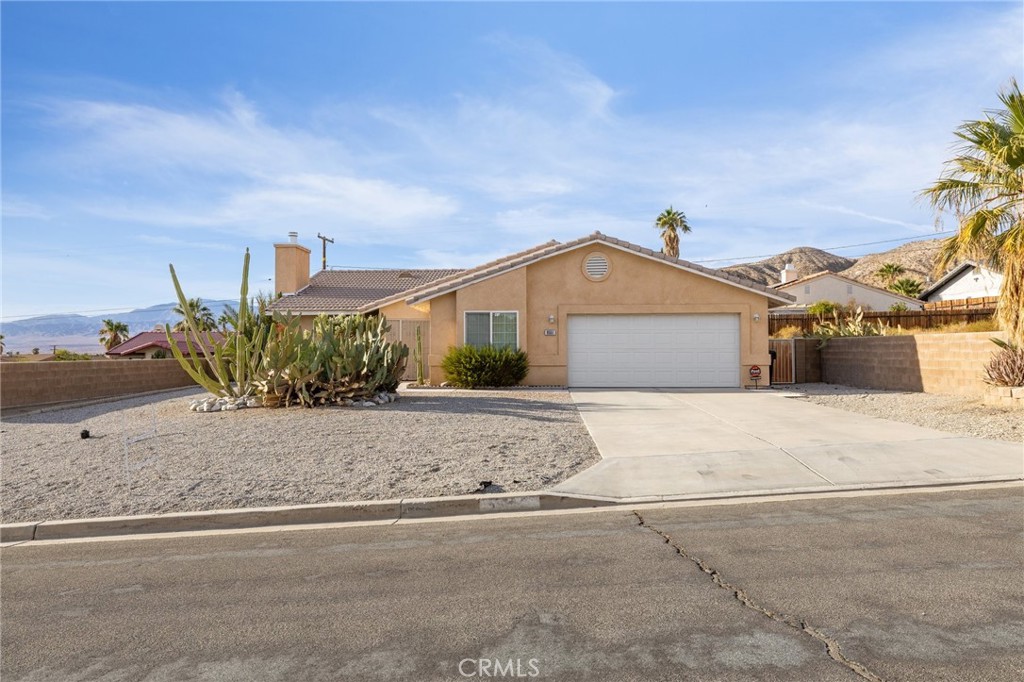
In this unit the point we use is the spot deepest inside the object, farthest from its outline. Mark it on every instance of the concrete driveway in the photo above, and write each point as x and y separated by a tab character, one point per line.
664	444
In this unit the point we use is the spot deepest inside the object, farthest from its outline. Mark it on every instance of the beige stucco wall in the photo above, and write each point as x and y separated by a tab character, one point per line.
557	287
401	311
291	268
833	289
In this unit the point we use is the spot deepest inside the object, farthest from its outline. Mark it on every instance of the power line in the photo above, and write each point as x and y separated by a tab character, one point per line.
827	248
13	318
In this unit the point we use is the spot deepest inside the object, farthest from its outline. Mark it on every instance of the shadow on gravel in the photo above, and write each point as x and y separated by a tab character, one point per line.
75	413
535	410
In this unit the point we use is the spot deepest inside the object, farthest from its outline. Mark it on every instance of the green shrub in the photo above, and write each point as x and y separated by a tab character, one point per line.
159	354
823	308
66	355
474	367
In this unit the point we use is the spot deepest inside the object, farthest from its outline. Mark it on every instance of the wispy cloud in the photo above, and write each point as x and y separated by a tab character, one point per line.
163	240
17	207
550	152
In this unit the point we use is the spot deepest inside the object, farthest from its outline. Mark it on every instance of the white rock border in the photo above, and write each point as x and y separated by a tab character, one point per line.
220	404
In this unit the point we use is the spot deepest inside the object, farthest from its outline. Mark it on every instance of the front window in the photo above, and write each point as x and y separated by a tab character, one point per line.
498	329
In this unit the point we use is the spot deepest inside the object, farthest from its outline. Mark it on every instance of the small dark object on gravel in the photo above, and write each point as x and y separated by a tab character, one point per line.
85	433
484	485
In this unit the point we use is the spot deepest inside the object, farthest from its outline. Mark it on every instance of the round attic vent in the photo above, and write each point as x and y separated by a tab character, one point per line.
595	266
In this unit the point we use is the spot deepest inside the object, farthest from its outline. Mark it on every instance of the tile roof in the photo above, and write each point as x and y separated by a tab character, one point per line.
553	248
145	340
349	291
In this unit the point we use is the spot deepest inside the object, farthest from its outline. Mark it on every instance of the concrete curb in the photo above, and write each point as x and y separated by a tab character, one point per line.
342	512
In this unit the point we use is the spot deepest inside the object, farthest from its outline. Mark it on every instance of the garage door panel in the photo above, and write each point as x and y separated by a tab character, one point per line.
654	350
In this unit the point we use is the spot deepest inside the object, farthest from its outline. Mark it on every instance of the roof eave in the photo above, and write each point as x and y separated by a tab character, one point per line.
578	244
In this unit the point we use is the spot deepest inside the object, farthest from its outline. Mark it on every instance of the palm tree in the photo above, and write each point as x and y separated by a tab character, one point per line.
228	319
890	272
199	312
2	344
113	333
983	186
907	286
671	222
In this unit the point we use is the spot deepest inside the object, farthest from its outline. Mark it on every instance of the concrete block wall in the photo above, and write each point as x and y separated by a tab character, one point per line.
29	384
932	363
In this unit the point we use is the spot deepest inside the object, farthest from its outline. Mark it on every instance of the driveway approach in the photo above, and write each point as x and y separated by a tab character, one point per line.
666	444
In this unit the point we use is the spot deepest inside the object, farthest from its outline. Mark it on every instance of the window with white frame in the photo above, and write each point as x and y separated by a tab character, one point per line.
498	329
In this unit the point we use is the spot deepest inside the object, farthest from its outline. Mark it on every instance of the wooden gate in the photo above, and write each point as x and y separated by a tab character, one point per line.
405	331
784	369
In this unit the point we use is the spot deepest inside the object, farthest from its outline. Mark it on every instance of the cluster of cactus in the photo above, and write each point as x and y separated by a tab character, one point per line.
849	325
223	366
270	356
344	357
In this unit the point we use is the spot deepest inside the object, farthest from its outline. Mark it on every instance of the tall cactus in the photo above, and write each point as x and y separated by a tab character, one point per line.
418	356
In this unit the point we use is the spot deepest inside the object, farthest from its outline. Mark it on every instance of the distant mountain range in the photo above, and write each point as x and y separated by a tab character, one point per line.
81	333
917	259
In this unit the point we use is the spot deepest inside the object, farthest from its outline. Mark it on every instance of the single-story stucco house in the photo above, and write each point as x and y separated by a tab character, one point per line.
593	312
828	286
967	280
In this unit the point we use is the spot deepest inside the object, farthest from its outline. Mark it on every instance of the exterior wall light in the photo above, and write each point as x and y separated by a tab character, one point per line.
757	317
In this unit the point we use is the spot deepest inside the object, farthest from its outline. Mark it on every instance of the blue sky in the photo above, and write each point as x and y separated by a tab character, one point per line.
140	134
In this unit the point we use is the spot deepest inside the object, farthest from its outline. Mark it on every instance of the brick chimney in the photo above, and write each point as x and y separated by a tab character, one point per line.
788	274
291	265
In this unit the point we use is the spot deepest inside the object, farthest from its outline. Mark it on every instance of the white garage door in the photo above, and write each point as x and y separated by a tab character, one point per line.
669	351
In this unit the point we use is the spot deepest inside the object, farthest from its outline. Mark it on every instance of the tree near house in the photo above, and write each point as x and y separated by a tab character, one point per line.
890	272
113	333
198	312
228	319
672	223
907	286
983	187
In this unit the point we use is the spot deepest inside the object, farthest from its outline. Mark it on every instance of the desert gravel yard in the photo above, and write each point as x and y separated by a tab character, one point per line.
962	415
150	454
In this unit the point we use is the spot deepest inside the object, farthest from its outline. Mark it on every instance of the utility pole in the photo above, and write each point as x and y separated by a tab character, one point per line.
323	260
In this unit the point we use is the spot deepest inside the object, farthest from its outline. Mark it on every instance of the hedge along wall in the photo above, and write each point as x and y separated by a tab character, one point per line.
29	384
932	363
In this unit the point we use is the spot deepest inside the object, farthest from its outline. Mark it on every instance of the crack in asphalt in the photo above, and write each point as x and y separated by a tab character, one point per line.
832	647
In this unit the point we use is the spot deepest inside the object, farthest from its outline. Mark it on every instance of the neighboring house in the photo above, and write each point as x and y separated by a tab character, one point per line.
596	311
967	280
828	286
145	344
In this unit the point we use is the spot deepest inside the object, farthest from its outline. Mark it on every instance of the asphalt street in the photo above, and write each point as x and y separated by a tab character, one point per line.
924	586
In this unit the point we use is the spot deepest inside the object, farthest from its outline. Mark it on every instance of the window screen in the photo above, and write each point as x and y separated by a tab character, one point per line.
503	330
478	329
492	329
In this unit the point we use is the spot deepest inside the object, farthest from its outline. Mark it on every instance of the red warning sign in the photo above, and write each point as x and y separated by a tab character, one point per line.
755	372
